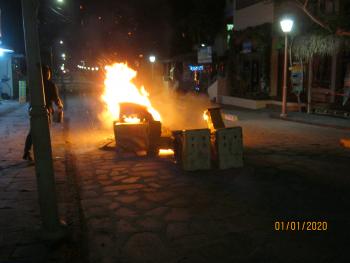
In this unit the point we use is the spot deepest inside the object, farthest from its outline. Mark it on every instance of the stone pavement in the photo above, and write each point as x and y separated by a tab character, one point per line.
149	210
19	210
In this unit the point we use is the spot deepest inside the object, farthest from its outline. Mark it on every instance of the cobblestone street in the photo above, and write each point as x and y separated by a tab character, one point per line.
132	209
148	210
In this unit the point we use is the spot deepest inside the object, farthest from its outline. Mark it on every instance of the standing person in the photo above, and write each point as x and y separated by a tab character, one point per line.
51	95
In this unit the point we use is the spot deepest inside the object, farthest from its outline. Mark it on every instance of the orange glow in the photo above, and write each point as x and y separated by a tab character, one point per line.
205	115
345	143
120	89
166	152
131	119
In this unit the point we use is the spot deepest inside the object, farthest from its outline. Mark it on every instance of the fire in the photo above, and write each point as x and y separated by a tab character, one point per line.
166	152
119	89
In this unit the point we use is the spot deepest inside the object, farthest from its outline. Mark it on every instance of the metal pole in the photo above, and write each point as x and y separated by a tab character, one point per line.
309	86
152	71
52	228
284	95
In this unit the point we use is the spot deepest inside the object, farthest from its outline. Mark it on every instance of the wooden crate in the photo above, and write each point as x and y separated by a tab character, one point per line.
229	147
132	137
192	149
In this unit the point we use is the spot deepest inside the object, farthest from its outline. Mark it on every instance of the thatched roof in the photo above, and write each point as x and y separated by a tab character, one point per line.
304	47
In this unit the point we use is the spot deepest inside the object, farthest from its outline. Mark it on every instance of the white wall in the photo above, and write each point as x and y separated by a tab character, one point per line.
6	71
257	14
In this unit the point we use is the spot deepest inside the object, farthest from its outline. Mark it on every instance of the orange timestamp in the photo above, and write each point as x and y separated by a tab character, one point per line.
301	226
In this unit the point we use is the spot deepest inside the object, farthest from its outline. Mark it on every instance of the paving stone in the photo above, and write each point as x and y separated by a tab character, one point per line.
177	230
127	199
124	226
101	172
118	178
122	187
144	205
177	214
145	173
159	196
106	182
125	212
114	173
114	206
131	180
95	202
145	247
102	177
159	211
154	185
111	194
99	223
150	224
130	192
34	251
179	202
88	194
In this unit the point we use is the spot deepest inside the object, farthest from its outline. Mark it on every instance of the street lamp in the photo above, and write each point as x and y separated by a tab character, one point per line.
61	42
152	59
286	26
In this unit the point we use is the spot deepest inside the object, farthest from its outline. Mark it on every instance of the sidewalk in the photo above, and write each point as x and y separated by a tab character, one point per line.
19	209
318	120
300	117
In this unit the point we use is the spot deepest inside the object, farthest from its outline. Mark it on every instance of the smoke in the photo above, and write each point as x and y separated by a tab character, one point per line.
181	111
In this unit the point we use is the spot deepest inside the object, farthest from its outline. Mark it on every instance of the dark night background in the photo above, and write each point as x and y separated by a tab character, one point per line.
117	29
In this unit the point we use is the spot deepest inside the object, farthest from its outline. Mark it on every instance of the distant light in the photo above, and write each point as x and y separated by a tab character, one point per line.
286	25
141	56
63	55
196	68
60	1
88	68
5	50
202	45
152	59
96	68
61	42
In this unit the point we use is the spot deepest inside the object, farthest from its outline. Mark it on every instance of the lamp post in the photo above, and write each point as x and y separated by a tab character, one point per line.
286	25
152	59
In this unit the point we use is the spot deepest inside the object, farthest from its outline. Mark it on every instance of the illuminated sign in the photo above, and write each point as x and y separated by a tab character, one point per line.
196	68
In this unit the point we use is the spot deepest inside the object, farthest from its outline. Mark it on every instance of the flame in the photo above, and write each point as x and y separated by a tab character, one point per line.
205	115
131	119
166	152
119	88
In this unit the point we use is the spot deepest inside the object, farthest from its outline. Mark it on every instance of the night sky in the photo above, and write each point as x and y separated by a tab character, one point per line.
11	23
124	28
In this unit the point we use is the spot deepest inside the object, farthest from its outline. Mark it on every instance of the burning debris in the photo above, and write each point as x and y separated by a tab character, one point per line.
137	127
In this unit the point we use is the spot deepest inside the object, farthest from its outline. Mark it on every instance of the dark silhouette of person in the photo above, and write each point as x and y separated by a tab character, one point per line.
51	96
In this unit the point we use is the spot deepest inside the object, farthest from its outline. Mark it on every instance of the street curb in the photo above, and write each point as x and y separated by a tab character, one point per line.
310	123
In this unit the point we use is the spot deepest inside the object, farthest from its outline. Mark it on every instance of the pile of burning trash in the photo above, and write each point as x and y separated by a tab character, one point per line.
138	128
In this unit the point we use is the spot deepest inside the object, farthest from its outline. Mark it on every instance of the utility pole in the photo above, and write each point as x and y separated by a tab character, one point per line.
39	126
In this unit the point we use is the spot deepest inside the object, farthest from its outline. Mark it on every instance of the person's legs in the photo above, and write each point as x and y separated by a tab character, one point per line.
27	147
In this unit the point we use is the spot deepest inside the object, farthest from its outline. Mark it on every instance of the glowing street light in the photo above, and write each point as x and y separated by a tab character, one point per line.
286	26
60	1
152	58
61	42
